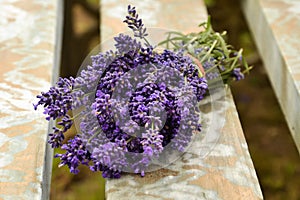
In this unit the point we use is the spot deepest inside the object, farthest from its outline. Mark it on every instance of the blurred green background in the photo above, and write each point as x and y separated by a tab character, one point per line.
272	149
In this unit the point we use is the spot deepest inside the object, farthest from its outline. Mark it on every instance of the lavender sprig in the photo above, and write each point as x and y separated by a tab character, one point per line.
58	100
135	24
75	154
210	48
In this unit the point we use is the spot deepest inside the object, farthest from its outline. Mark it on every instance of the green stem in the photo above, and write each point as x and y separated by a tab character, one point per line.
210	69
209	51
236	59
223	44
147	42
127	141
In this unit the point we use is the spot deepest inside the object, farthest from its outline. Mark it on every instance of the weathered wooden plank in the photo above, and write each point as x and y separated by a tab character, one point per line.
275	25
227	172
29	64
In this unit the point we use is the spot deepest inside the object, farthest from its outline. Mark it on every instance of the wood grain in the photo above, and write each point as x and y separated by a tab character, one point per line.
275	25
27	63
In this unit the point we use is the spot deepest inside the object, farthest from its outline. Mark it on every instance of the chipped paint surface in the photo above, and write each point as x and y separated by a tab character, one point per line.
227	172
276	29
27	36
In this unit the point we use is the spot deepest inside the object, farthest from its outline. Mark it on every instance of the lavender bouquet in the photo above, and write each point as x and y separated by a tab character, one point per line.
136	107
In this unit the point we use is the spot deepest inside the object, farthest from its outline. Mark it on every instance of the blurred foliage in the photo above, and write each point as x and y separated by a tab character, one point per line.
210	3
67	186
209	47
81	35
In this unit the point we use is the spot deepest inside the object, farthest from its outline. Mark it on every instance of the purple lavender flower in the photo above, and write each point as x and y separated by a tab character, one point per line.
212	75
66	123
209	64
110	155
134	23
56	138
75	154
237	74
57	101
125	43
152	142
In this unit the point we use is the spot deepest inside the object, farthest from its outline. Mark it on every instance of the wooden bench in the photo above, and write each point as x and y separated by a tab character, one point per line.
276	30
227	172
30	41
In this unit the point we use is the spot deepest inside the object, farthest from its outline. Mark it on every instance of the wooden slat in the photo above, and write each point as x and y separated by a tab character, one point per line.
275	25
29	56
227	172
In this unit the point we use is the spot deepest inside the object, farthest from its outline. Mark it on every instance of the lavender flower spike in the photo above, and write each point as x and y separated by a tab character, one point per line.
134	23
75	155
237	74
